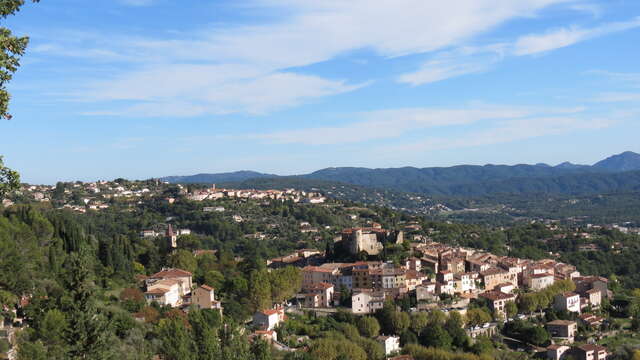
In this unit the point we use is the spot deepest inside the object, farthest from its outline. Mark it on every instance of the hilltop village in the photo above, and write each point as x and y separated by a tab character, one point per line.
299	275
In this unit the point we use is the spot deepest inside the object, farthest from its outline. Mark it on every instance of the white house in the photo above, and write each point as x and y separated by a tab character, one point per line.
165	292
268	319
539	282
568	301
391	344
365	302
184	277
319	295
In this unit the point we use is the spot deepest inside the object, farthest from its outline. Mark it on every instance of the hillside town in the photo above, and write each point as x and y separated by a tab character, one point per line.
354	262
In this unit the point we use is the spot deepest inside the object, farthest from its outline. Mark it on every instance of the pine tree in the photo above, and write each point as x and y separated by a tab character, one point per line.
87	334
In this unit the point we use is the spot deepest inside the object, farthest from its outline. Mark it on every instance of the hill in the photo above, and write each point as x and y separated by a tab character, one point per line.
627	161
616	173
215	178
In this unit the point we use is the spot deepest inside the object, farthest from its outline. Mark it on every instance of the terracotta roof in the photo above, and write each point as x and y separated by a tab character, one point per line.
561	322
320	286
497	295
493	271
169	273
539	276
206	287
591	347
157	291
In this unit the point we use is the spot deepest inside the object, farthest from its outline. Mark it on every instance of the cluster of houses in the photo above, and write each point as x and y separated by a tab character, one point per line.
94	195
457	273
214	193
175	288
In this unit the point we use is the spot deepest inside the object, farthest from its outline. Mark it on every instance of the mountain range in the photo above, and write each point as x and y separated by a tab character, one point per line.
614	174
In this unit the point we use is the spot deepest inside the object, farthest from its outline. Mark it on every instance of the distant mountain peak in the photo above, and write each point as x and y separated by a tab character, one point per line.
626	161
570	166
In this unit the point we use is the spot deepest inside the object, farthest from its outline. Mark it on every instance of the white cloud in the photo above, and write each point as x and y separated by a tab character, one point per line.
210	89
461	61
312	32
556	39
386	124
471	60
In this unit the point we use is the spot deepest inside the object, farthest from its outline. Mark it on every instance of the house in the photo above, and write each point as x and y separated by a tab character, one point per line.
319	295
568	301
498	300
180	275
445	283
366	301
495	276
505	288
539	282
590	352
592	298
327	273
556	352
591	320
488	330
413	278
204	298
391	344
426	292
464	283
564	330
268	319
165	292
584	283
267	335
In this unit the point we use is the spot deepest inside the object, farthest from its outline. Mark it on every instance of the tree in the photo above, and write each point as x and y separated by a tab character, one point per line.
204	335
11	50
478	316
399	321
261	350
436	336
259	290
183	259
511	309
177	343
87	333
52	327
419	321
368	326
9	179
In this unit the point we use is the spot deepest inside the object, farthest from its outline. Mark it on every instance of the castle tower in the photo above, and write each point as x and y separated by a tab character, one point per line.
172	237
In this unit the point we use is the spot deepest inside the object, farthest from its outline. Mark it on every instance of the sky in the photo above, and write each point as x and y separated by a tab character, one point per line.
149	88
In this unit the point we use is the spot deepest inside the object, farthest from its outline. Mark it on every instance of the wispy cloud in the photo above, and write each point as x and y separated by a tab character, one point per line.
472	60
559	38
394	123
449	64
311	32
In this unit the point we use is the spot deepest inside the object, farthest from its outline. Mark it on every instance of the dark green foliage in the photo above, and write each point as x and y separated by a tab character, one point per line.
527	332
86	335
436	336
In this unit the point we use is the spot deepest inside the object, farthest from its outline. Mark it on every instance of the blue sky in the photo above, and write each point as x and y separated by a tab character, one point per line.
146	88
